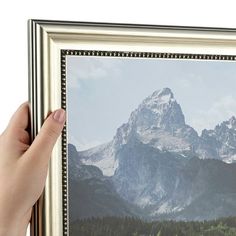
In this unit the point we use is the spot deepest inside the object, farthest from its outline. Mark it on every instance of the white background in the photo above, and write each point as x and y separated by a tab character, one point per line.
13	25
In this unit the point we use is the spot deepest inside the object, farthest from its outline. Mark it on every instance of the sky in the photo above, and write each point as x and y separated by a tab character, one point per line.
103	91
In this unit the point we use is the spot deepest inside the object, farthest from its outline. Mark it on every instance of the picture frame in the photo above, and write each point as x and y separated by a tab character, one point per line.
50	43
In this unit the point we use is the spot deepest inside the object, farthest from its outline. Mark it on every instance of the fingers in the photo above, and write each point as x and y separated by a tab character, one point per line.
20	118
15	136
41	148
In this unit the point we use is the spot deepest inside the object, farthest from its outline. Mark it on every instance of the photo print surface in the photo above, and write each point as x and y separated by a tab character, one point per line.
151	146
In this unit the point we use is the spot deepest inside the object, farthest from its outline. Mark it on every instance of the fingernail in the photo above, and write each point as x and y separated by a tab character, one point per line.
59	115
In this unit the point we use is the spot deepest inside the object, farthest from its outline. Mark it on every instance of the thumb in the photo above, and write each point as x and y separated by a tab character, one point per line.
42	146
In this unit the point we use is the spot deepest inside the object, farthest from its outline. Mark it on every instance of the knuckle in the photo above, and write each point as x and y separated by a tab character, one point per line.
24	137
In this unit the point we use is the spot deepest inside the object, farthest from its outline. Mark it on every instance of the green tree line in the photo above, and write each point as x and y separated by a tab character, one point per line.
128	226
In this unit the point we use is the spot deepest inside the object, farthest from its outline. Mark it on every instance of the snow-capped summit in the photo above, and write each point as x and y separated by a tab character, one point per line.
159	122
154	162
164	96
159	110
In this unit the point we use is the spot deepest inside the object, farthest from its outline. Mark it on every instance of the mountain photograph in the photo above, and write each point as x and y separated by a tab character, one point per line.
157	168
157	176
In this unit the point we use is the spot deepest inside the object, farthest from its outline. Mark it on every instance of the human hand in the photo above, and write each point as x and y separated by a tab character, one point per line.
23	168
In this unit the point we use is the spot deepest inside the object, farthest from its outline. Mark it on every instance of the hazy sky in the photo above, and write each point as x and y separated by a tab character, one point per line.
103	91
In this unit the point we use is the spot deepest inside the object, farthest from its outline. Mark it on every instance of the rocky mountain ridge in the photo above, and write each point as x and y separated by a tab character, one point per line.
157	167
160	123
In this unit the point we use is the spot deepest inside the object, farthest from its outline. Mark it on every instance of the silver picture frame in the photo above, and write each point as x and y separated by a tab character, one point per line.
50	42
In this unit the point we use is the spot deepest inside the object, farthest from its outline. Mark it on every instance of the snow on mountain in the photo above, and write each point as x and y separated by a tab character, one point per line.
154	161
221	142
167	207
108	164
102	156
160	123
159	110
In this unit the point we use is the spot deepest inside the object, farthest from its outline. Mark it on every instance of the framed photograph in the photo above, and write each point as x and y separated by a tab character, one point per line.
149	145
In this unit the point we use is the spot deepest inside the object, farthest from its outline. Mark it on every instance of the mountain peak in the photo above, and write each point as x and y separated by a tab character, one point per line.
156	119
160	110
228	124
162	96
161	102
164	92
